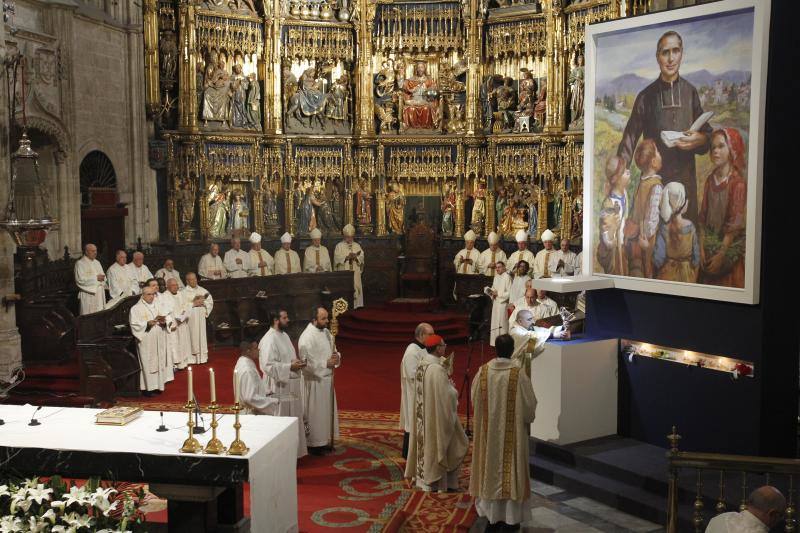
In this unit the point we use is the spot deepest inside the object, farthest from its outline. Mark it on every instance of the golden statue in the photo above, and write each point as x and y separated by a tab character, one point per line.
395	208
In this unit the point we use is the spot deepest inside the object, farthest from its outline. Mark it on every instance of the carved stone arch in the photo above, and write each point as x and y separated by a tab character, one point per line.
52	128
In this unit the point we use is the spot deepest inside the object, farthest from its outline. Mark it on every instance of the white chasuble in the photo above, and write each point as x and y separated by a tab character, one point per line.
252	392
408	373
261	263
197	322
340	262
287	262
545	264
317	259
316	346
151	344
501	285
488	259
91	292
520	255
275	356
462	264
234	269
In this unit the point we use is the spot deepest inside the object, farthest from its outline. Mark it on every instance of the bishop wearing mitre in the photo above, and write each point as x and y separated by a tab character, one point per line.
199	303
504	406
499	293
286	260
487	262
348	255
438	443
149	327
248	386
317	258
261	263
546	262
282	373
522	253
91	281
317	348
179	345
466	261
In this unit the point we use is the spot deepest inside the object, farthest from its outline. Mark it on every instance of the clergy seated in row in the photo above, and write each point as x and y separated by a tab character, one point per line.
282	373
211	265
252	392
237	261
286	260
317	258
504	405
168	272
317	349
179	346
198	303
120	278
261	263
91	281
537	302
414	353
149	327
529	339
521	254
466	261
763	512
546	262
566	260
348	255
487	261
141	274
521	281
438	444
499	293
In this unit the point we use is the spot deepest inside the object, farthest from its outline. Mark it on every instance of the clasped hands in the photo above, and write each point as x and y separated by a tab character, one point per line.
160	320
334	359
298	364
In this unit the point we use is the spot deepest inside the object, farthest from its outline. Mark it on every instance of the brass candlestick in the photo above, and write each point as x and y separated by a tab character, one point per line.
238	447
191	444
215	445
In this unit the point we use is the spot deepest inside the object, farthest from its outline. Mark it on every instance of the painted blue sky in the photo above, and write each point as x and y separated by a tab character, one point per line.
717	43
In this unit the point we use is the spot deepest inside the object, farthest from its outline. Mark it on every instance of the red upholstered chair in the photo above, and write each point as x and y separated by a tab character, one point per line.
418	275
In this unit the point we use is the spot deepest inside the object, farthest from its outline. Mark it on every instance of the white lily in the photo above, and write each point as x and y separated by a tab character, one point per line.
50	515
36	526
39	493
76	495
79	520
4	490
10	524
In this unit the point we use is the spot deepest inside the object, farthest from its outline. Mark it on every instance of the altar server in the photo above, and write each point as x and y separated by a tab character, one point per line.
348	255
317	258
261	263
499	293
141	273
438	443
504	406
466	261
408	371
316	347
546	262
286	260
487	262
252	393
91	281
522	253
168	272
149	328
566	259
199	303
237	261
282	373
179	345
211	265
121	280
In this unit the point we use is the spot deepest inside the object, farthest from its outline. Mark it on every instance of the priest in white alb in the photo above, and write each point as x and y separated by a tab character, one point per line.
504	406
91	281
141	272
408	372
121	279
521	254
247	383
317	258
487	262
499	293
316	347
237	261
546	262
466	260
211	265
438	443
199	302
149	328
261	263
286	260
348	255
282	373
168	272
179	344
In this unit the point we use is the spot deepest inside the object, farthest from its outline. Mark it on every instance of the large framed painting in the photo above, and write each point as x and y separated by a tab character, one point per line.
673	150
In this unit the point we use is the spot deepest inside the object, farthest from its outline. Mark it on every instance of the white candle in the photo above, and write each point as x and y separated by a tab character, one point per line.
190	388
236	386
213	386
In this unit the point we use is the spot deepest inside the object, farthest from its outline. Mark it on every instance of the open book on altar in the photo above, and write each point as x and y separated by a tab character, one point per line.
671	137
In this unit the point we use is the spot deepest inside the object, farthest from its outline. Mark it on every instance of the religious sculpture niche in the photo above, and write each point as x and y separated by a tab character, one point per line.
478	220
511	106
448	208
320	207
576	87
269	198
319	101
218	211
242	7
519	209
363	205
229	99
318	9
168	58
185	200
535	6
395	208
577	218
239	219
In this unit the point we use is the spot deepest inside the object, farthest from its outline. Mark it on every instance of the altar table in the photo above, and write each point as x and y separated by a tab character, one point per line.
69	443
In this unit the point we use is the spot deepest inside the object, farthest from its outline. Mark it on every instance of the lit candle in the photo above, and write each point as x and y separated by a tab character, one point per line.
191	388
213	386
236	386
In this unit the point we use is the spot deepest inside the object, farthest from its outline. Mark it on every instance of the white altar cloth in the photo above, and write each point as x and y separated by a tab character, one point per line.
272	441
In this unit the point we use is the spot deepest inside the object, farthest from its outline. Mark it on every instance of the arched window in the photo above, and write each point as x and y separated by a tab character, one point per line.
96	172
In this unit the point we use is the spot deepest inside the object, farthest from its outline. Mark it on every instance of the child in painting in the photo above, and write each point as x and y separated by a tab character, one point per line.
614	210
676	256
641	227
723	212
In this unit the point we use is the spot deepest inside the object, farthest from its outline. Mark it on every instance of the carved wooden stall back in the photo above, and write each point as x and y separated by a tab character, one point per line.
418	278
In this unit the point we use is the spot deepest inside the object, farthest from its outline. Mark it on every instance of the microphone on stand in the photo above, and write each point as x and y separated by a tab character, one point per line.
33	421
162	427
201	427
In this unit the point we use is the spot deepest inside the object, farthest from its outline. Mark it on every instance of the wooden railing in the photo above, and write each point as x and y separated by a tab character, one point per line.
727	470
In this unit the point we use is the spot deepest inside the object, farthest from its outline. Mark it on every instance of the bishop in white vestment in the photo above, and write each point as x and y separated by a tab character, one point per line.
487	262
179	344
121	279
168	272
317	258
286	260
408	372
546	262
149	328
141	273
199	303
248	386
466	261
316	347
348	255
211	265
282	374
499	293
521	254
91	281
261	263
237	261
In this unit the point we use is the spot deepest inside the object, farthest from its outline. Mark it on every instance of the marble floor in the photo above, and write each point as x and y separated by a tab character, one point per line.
557	511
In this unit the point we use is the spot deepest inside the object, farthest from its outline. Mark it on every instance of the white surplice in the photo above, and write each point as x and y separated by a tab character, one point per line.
462	267
490	257
287	262
91	292
317	256
234	269
167	275
520	255
316	346
140	275
518	288
340	262
197	322
256	258
121	282
733	522
275	356
570	260
151	346
179	346
501	284
252	393
209	264
408	370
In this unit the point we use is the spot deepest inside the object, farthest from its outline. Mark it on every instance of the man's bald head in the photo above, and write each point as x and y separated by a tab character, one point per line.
767	504
525	318
423	331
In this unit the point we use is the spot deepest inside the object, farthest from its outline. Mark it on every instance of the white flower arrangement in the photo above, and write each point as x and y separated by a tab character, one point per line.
32	506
